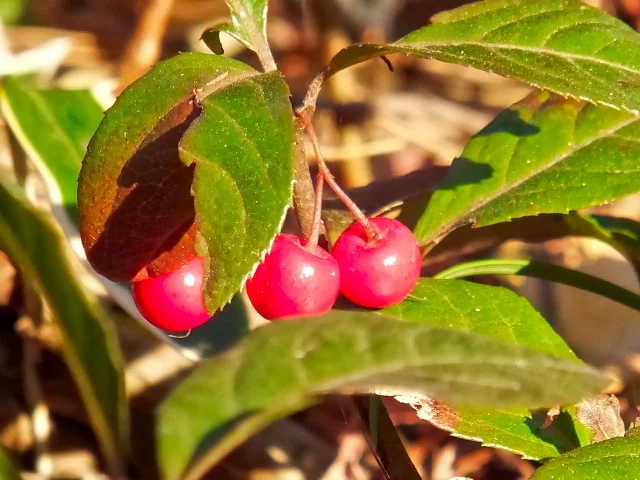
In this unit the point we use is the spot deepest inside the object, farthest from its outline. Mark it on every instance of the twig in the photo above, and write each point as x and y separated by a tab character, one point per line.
144	47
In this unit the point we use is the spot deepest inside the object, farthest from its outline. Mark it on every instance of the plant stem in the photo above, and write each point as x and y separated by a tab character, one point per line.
383	439
545	271
303	195
312	239
360	217
256	36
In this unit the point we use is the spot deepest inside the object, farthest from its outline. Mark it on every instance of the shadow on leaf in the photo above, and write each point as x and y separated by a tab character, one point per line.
151	230
561	433
509	121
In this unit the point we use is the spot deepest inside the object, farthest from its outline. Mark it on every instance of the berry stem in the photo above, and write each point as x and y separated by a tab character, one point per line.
369	228
312	239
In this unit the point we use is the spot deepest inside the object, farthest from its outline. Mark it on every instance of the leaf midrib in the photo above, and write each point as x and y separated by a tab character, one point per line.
460	219
525	48
309	387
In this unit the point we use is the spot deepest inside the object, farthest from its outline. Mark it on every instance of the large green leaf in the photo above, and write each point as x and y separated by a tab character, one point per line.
242	146
542	155
288	363
499	313
614	459
134	194
91	348
8	471
563	46
54	127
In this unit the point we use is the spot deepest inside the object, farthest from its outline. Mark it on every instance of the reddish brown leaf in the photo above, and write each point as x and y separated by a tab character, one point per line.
149	227
136	211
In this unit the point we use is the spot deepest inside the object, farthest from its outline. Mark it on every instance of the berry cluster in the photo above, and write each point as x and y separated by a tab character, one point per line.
375	263
303	280
297	279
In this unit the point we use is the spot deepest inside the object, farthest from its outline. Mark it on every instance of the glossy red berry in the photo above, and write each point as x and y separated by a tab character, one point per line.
380	272
294	280
173	301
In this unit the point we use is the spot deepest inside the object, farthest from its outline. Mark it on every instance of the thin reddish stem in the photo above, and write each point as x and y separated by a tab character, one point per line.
314	234
369	228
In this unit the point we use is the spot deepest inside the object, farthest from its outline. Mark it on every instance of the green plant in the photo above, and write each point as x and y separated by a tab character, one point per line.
201	158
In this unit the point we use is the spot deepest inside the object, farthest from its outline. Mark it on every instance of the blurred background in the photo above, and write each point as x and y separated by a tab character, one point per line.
374	126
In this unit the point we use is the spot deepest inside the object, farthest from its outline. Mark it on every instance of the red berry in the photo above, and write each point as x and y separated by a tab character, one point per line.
380	272
173	301
294	280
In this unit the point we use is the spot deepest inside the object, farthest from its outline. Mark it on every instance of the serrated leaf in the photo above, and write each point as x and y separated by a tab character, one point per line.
499	313
242	146
614	459
135	206
517	431
541	145
356	352
91	346
249	19
54	127
8	470
563	46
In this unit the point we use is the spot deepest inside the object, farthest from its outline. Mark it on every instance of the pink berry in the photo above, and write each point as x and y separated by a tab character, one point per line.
380	272
294	280
173	301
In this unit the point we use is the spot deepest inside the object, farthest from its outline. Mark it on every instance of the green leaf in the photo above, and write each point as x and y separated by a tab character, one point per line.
91	347
493	311
614	459
536	149
563	46
621	233
249	18
54	128
135	206
518	431
8	470
623	229
211	36
499	313
242	146
289	363
11	11
545	271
